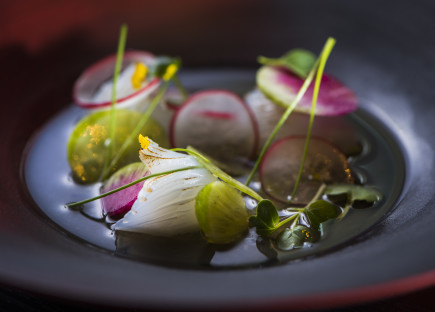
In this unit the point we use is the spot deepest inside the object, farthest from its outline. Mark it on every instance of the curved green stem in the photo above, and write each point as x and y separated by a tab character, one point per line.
323	58
118	64
219	173
79	203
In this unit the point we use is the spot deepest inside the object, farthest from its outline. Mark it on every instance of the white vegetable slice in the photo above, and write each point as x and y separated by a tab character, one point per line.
93	89
280	166
336	129
166	204
218	123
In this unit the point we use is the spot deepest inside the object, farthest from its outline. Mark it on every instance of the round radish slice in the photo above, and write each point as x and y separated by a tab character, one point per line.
280	167
281	86
336	129
93	89
117	204
217	123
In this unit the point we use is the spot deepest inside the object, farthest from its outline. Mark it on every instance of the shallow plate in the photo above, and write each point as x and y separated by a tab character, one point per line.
385	62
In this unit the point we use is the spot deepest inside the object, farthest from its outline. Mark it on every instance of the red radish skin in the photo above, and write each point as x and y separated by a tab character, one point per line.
101	71
217	115
280	166
282	86
205	114
119	203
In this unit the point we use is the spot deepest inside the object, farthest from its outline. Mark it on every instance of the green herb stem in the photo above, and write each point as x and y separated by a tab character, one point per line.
323	58
219	173
281	122
156	100
130	184
118	64
180	87
287	220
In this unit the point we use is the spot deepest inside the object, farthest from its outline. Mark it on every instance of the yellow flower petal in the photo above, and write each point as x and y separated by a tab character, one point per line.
144	142
139	75
170	72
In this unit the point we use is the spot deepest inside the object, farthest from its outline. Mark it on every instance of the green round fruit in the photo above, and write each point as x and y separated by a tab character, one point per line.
221	213
87	144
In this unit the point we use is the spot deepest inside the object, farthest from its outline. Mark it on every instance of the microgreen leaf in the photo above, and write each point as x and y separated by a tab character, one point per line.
354	192
320	211
296	237
267	218
298	61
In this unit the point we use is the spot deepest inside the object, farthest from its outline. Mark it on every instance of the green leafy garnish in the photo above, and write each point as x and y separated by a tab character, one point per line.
266	219
298	61
296	237
354	192
352	195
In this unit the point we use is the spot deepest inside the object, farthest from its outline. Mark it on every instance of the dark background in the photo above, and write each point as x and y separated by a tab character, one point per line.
44	45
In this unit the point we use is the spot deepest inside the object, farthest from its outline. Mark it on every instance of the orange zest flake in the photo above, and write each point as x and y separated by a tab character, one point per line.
144	141
139	75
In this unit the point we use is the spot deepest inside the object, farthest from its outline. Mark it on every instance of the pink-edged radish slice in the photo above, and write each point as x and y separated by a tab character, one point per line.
280	166
281	86
119	203
218	123
336	129
93	89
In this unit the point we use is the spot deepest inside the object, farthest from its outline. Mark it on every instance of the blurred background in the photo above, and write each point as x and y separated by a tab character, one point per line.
44	45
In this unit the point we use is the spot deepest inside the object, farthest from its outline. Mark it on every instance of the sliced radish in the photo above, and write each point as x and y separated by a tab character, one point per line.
117	204
93	88
335	129
280	167
217	123
281	86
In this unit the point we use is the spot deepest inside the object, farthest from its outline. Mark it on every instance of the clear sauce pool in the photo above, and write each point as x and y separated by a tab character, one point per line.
49	181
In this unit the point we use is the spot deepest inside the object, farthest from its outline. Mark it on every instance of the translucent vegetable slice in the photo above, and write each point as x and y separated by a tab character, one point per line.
87	144
280	166
281	86
217	123
117	204
336	129
93	89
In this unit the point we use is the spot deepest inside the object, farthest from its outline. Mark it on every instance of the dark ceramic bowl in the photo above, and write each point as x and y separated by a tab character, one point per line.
385	52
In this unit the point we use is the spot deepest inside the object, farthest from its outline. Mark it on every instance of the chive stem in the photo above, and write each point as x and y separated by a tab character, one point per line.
281	122
219	173
112	125
323	58
79	203
180	87
156	100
